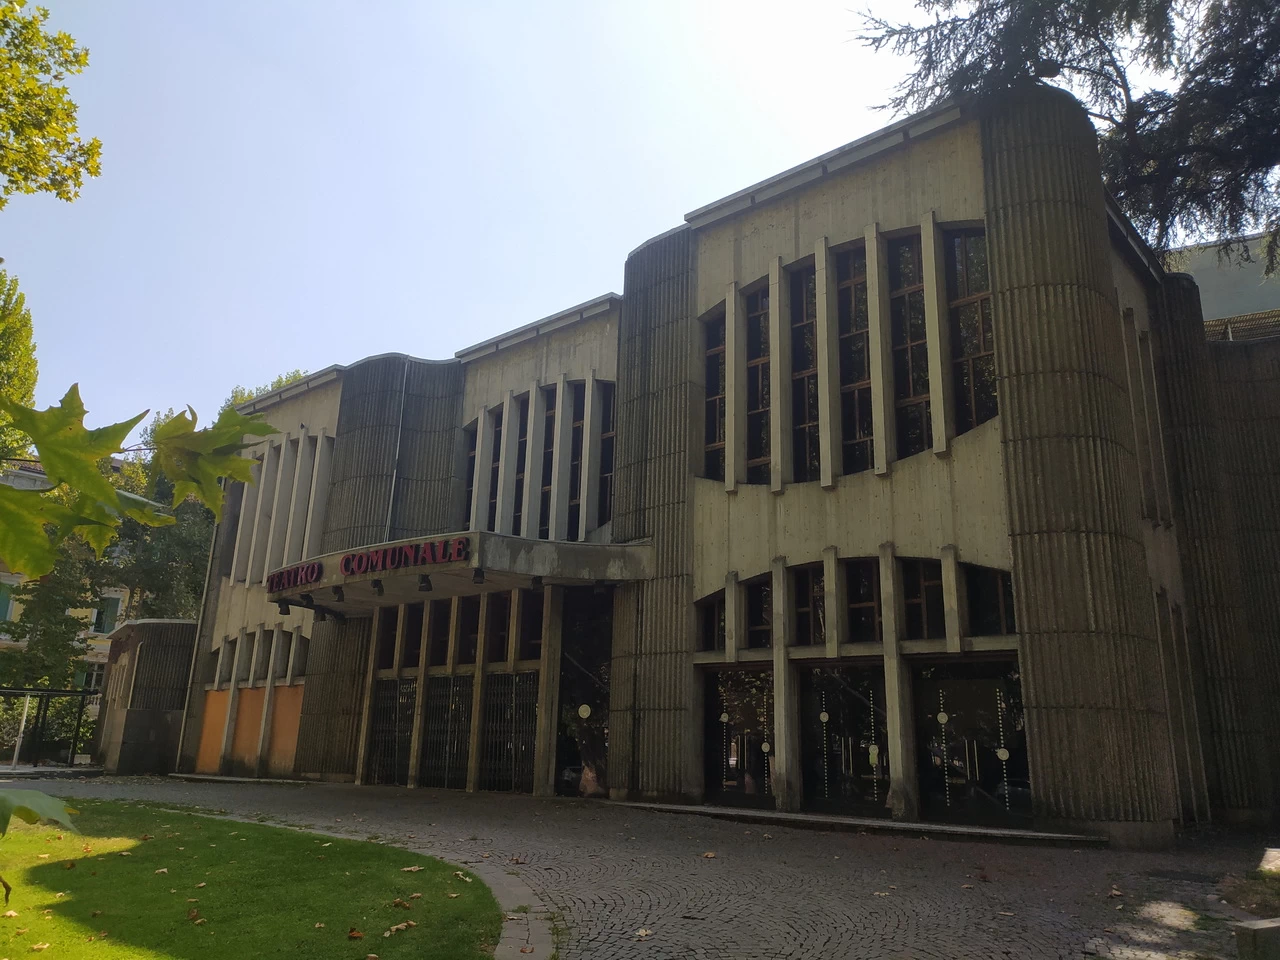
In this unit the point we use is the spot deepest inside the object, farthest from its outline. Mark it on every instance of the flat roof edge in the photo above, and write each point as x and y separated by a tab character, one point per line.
563	318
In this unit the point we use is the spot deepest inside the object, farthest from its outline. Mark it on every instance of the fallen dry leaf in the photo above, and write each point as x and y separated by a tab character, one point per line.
192	900
87	849
370	956
415	896
966	886
410	869
708	855
484	856
354	934
642	932
146	836
172	890
454	896
1115	892
96	913
125	853
200	921
39	946
11	913
1006	913
163	870
21	930
880	893
200	884
193	913
526	949
69	865
768	836
327	844
461	876
42	856
397	902
319	926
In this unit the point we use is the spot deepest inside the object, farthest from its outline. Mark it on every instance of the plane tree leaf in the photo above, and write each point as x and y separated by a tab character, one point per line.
195	460
25	544
32	806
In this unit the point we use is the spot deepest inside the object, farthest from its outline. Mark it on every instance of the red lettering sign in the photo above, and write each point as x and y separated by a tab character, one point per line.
455	550
298	576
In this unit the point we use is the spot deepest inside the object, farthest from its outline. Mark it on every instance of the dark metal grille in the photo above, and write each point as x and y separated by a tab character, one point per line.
446	734
392	733
510	724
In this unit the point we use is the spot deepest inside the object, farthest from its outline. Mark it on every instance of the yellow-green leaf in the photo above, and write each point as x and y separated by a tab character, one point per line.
195	460
25	547
32	806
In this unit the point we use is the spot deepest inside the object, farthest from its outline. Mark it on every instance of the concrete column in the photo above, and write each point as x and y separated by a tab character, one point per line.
268	702
779	376
477	700
904	786
558	528
513	628
233	699
480	482
735	389
268	476
589	514
451	651
278	527
952	591
398	650
735	617
419	701
835	610
880	342
548	725
507	463
366	709
828	367
533	462
319	495
244	526
299	499
295	652
937	327
784	757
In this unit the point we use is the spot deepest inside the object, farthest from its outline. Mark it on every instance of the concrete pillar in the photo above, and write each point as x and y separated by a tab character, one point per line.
735	617
299	499
533	462
548	726
268	701
451	651
507	463
480	482
268	476
835	611
784	756
952	591
904	786
233	698
880	341
735	389
319	495
779	376
366	708
513	628
937	327
244	526
589	513
477	700
402	620
558	528
828	368
278	528
419	702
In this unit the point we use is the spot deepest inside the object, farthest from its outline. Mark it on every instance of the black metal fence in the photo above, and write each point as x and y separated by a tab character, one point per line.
40	727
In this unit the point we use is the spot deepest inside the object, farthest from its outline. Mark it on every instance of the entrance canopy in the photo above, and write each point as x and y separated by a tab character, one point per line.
356	582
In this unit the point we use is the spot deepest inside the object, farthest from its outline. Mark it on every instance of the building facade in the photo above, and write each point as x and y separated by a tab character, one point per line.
904	483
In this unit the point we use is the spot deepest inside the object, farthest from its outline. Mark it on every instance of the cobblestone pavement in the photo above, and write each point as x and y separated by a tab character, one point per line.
771	891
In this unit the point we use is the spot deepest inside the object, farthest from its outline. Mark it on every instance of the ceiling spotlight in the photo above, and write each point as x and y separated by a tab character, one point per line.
536	583
477	575
284	607
424	583
377	587
338	595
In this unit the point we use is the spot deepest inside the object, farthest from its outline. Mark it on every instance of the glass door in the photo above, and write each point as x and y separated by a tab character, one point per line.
739	728
843	743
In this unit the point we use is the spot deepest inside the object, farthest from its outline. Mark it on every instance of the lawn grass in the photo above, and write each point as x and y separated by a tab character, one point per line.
1259	893
261	891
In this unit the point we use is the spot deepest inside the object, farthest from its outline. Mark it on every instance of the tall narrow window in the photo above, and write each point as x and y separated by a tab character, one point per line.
522	457
810	608
854	322
990	593
910	346
972	344
497	627
411	648
922	591
494	462
805	461
530	642
579	393
711	633
441	623
759	613
758	387
548	451
471	475
862	579
713	429
468	628
608	434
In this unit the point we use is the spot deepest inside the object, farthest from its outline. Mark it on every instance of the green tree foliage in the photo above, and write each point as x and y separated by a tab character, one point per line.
17	359
40	150
241	394
1185	94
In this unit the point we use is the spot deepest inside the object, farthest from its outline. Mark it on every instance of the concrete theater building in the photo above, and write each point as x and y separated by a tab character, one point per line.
903	483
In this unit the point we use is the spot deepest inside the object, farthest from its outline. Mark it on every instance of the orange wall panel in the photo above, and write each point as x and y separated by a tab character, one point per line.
215	719
244	742
286	712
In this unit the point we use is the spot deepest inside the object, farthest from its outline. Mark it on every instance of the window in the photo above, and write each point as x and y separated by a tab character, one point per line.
608	435
862	581
922	590
530	625
548	452
853	318
805	459
759	613
910	347
972	345
494	462
471	475
522	456
93	674
758	387
468	628
441	621
6	602
810	621
579	393
713	408
411	650
990	601
497	627
711	623
384	639
108	612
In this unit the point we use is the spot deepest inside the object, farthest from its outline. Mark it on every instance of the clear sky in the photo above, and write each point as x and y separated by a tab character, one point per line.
295	184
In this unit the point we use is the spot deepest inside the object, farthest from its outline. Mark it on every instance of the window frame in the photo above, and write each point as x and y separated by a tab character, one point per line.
608	450
872	564
577	440
548	461
922	566
522	460
808	605
711	610
756	309
906	401
960	295
495	463
806	460
760	588
713	450
854	394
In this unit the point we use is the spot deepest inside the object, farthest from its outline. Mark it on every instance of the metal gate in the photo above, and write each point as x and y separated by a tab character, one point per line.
844	744
510	728
45	727
446	734
392	733
739	728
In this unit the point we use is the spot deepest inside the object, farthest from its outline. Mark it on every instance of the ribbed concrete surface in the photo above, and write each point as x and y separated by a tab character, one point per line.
332	699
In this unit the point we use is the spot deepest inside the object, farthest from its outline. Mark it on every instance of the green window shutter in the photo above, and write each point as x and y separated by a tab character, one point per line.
6	601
